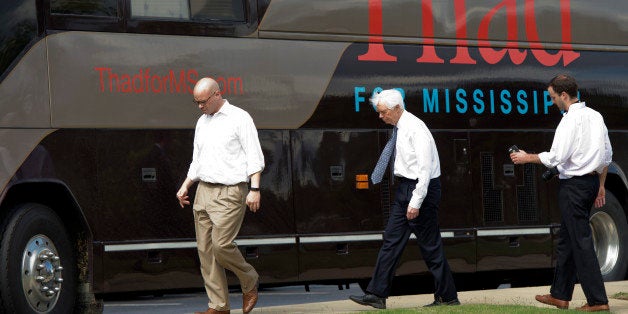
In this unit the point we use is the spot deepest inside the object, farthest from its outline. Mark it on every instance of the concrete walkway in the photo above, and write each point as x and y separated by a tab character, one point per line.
520	296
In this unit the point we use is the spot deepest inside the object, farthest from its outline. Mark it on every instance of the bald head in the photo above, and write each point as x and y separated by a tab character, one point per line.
205	84
207	95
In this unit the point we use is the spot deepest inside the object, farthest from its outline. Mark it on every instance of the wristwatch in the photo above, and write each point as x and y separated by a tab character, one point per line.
254	189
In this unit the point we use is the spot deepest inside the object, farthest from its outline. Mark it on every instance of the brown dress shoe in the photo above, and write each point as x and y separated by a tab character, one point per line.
594	308
550	300
212	311
249	300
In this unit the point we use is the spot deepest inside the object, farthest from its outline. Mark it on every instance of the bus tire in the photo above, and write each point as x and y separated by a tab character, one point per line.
37	262
610	238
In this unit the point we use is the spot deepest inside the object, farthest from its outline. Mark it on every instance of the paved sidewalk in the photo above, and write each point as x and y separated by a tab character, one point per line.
521	296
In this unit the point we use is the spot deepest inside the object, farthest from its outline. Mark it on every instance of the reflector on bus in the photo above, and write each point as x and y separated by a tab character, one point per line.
361	181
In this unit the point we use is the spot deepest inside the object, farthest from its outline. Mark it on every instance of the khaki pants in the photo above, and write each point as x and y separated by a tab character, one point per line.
218	214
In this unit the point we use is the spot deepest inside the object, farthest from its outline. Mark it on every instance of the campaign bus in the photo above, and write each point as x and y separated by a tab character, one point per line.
97	123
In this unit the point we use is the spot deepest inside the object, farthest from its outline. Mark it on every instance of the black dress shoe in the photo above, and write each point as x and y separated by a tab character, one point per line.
439	301
369	299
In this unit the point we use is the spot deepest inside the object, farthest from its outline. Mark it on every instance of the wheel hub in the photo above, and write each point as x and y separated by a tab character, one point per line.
605	241
41	273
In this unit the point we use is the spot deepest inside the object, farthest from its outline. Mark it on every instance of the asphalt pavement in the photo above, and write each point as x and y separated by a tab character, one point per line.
329	299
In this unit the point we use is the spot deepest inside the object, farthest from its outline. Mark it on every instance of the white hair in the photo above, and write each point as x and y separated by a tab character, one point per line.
389	98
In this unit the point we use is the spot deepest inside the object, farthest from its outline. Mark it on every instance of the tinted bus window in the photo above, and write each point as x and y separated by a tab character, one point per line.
85	7
172	9
232	10
18	27
224	10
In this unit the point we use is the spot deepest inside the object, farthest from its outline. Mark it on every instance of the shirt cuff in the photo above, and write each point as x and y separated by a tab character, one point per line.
415	202
253	170
545	159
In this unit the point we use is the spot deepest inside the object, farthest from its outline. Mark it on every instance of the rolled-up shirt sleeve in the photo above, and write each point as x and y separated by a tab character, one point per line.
252	148
562	145
608	152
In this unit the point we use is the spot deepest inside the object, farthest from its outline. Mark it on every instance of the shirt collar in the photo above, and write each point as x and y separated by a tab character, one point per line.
575	106
403	119
225	109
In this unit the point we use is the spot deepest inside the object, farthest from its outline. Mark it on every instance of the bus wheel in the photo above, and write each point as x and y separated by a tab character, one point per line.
37	263
610	238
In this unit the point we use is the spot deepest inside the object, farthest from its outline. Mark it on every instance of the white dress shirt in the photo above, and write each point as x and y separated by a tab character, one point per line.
580	145
416	156
226	147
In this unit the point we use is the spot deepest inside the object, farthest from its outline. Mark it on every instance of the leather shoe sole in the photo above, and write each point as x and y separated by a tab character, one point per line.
550	300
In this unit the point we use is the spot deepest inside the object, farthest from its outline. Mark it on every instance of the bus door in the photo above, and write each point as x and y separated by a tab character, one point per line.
513	216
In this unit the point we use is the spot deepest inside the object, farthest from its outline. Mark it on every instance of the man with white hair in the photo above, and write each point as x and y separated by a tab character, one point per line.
415	208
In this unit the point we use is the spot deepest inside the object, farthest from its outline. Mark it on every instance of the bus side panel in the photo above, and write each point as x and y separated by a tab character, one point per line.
125	182
512	199
275	262
456	212
325	165
333	203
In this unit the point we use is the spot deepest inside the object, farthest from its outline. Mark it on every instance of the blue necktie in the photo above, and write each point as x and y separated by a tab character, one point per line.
384	158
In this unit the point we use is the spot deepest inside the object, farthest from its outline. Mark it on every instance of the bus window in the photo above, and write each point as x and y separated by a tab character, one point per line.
226	10
170	9
85	7
19	28
196	10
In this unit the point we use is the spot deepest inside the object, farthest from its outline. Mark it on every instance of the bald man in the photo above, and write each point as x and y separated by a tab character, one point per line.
227	155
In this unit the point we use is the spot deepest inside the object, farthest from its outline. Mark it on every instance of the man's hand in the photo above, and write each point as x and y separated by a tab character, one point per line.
182	196
253	200
412	212
519	157
600	200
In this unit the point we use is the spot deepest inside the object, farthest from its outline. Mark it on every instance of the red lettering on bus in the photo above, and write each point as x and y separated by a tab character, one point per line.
156	86
429	51
192	79
566	51
491	55
376	50
180	86
101	77
462	50
126	83
144	81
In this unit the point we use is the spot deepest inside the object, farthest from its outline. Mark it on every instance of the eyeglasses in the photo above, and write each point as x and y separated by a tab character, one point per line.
203	102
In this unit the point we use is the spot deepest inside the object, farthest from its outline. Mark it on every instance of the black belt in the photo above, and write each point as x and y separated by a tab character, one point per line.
586	175
404	179
222	184
593	173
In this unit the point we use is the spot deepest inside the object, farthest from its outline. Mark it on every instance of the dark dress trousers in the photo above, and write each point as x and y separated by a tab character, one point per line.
425	228
575	251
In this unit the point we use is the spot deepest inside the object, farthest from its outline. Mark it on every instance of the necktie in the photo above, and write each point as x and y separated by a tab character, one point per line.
384	158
